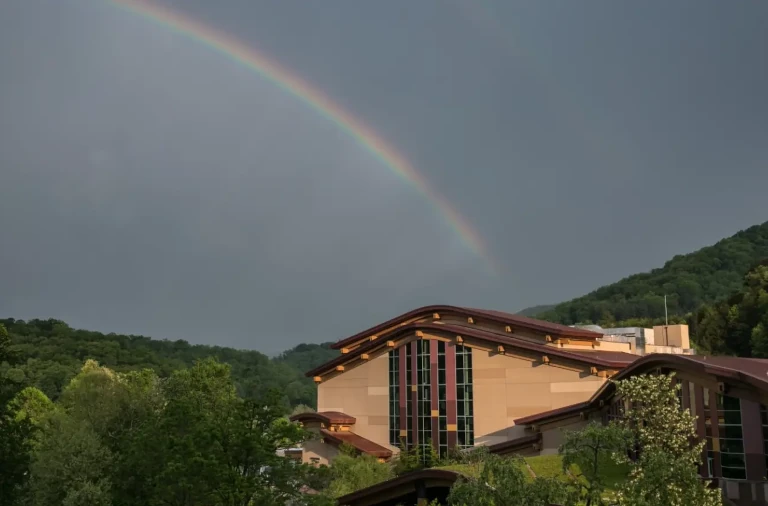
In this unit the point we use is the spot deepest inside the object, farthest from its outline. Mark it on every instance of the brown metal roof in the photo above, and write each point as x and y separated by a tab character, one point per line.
405	483
608	359
498	316
515	445
552	414
752	371
326	417
358	442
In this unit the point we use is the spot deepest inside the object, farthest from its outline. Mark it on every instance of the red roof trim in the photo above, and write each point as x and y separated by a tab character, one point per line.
498	316
597	358
357	441
326	417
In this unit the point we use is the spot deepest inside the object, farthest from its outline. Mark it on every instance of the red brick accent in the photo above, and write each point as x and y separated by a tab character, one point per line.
450	391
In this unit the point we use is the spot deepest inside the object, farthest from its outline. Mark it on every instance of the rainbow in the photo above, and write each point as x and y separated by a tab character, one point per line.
268	69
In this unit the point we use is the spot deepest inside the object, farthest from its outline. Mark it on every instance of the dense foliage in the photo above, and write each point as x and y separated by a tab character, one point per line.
125	439
737	325
48	353
705	276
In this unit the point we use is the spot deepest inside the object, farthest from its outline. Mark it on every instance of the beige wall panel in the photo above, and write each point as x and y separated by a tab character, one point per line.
531	394
481	374
528	388
566	399
378	390
378	405
348	393
378	420
573	386
317	449
538	374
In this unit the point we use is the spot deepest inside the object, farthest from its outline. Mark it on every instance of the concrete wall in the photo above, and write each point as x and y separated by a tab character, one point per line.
362	392
506	388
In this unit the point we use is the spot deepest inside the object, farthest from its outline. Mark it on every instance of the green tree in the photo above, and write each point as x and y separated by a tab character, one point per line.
737	325
215	448
16	431
503	482
350	472
666	471
593	450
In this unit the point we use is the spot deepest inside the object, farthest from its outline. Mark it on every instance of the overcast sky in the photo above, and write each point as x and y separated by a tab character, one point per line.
149	185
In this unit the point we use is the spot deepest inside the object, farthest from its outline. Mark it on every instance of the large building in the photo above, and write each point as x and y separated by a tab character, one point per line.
450	376
455	377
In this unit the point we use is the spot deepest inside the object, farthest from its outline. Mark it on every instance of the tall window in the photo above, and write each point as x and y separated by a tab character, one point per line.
464	397
394	397
733	462
425	386
442	402
424	398
408	403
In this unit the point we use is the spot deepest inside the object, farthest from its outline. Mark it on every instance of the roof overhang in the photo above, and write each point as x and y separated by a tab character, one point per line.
325	417
450	332
496	316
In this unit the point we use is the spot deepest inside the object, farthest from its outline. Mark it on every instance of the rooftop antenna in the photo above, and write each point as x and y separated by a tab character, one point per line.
666	316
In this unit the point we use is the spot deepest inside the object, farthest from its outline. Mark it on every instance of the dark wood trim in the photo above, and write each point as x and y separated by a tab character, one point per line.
450	392
686	394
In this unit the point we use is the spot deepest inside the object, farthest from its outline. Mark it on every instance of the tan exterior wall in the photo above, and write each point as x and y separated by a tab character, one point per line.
362	392
316	449
672	335
506	388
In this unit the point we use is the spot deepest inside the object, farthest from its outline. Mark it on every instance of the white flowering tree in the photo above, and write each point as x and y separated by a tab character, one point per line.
666	471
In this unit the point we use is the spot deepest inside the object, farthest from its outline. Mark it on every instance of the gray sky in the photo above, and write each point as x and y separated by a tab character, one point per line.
149	185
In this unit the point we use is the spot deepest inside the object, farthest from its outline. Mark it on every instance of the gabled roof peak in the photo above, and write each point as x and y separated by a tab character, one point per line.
497	316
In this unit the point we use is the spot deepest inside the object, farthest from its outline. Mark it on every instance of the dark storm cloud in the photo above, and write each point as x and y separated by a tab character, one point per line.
151	186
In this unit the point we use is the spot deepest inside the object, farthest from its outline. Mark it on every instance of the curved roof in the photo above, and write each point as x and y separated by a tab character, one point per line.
326	417
498	316
751	371
608	359
404	484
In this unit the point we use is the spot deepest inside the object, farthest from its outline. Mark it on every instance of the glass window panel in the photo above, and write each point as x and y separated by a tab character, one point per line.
732	446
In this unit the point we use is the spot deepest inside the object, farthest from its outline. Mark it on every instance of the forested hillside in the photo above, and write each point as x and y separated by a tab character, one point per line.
737	325
48	353
702	277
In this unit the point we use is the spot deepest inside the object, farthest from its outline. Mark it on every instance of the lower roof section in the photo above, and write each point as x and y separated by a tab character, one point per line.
516	445
358	442
747	371
325	417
